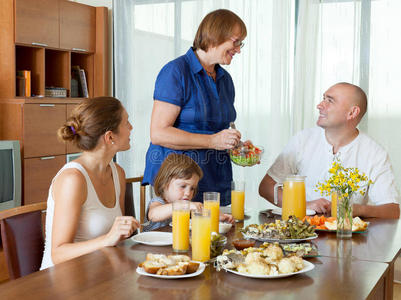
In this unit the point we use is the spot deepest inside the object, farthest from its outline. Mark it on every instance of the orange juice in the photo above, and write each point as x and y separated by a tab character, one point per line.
201	231
181	230
334	198
294	201
237	204
214	207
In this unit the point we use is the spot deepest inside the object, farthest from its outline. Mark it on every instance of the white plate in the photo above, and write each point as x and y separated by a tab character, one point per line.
201	268
286	241
154	238
309	212
307	267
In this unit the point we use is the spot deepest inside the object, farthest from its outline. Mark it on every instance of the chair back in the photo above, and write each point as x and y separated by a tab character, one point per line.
22	238
129	198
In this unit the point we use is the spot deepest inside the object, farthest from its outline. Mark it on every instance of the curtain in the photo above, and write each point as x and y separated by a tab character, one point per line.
148	34
353	41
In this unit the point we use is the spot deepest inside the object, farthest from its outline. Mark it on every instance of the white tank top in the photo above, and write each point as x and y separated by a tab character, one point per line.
95	219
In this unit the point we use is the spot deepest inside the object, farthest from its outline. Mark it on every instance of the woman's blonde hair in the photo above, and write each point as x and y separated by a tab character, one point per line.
217	27
91	119
175	166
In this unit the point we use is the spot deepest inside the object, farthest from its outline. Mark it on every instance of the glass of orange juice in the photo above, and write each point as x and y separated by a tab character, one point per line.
201	232
334	198
237	200
181	226
211	200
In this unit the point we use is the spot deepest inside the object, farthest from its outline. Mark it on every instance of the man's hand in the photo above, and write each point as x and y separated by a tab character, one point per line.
321	205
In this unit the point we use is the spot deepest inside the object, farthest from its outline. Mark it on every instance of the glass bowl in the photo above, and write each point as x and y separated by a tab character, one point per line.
246	156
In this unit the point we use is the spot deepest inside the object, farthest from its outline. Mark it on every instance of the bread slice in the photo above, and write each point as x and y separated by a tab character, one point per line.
179	258
192	267
173	270
152	267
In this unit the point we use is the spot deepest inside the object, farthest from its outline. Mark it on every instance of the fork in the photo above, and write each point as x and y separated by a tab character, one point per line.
240	144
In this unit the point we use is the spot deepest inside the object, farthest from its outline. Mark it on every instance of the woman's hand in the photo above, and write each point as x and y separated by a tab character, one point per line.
122	228
227	218
195	206
225	139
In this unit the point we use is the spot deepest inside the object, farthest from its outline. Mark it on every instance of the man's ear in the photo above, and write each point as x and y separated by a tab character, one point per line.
353	113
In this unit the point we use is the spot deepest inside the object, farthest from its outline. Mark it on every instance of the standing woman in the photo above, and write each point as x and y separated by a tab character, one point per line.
85	206
194	104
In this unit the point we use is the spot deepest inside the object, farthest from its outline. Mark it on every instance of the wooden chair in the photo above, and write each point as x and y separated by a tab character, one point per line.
129	198
22	238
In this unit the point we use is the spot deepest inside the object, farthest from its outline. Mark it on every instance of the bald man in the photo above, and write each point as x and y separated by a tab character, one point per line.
311	153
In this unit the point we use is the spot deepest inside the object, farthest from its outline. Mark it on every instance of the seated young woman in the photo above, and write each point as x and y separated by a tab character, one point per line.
85	205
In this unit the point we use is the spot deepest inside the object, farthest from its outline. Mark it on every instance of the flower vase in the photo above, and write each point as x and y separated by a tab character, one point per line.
344	215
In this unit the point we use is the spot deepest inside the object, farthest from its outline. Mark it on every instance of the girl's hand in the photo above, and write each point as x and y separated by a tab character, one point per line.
122	228
225	139
195	206
227	218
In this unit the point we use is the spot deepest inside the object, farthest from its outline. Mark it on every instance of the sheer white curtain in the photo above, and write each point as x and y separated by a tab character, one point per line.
148	34
353	41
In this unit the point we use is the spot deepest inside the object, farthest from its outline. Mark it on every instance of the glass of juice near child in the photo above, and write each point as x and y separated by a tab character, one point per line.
211	200
201	232
181	225
237	200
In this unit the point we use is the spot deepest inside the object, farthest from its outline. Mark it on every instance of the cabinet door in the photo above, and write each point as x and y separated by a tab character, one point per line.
37	22
70	147
38	174
77	26
41	122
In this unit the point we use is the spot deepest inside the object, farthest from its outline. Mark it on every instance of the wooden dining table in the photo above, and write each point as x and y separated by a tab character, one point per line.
352	269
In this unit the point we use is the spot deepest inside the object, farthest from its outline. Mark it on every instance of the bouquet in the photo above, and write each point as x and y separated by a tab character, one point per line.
345	182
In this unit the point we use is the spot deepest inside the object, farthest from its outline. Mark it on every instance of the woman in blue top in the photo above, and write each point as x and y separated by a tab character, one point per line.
194	104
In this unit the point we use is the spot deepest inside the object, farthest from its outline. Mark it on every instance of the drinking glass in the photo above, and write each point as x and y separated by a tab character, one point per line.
237	200
211	200
201	234
334	198
181	226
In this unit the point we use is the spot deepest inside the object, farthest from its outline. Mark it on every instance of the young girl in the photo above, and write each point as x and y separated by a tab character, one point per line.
176	180
85	206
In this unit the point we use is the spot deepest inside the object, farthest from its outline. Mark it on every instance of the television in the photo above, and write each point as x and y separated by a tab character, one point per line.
10	174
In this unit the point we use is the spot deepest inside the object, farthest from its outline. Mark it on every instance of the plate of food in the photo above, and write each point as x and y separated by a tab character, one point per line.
289	231
246	154
170	267
301	249
278	211
266	262
154	238
329	224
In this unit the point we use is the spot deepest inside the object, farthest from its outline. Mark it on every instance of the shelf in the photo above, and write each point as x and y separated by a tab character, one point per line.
32	59
84	61
57	71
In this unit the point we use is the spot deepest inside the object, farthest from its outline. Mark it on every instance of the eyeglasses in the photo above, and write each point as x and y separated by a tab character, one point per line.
238	43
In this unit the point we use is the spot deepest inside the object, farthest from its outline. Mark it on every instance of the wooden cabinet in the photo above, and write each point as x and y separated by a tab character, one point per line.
77	18
40	131
38	174
37	22
62	30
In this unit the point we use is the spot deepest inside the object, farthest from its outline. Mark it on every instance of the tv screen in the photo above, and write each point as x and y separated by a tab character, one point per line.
6	175
10	174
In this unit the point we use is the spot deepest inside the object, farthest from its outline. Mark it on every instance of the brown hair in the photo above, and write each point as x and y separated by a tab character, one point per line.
216	28
175	166
90	120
